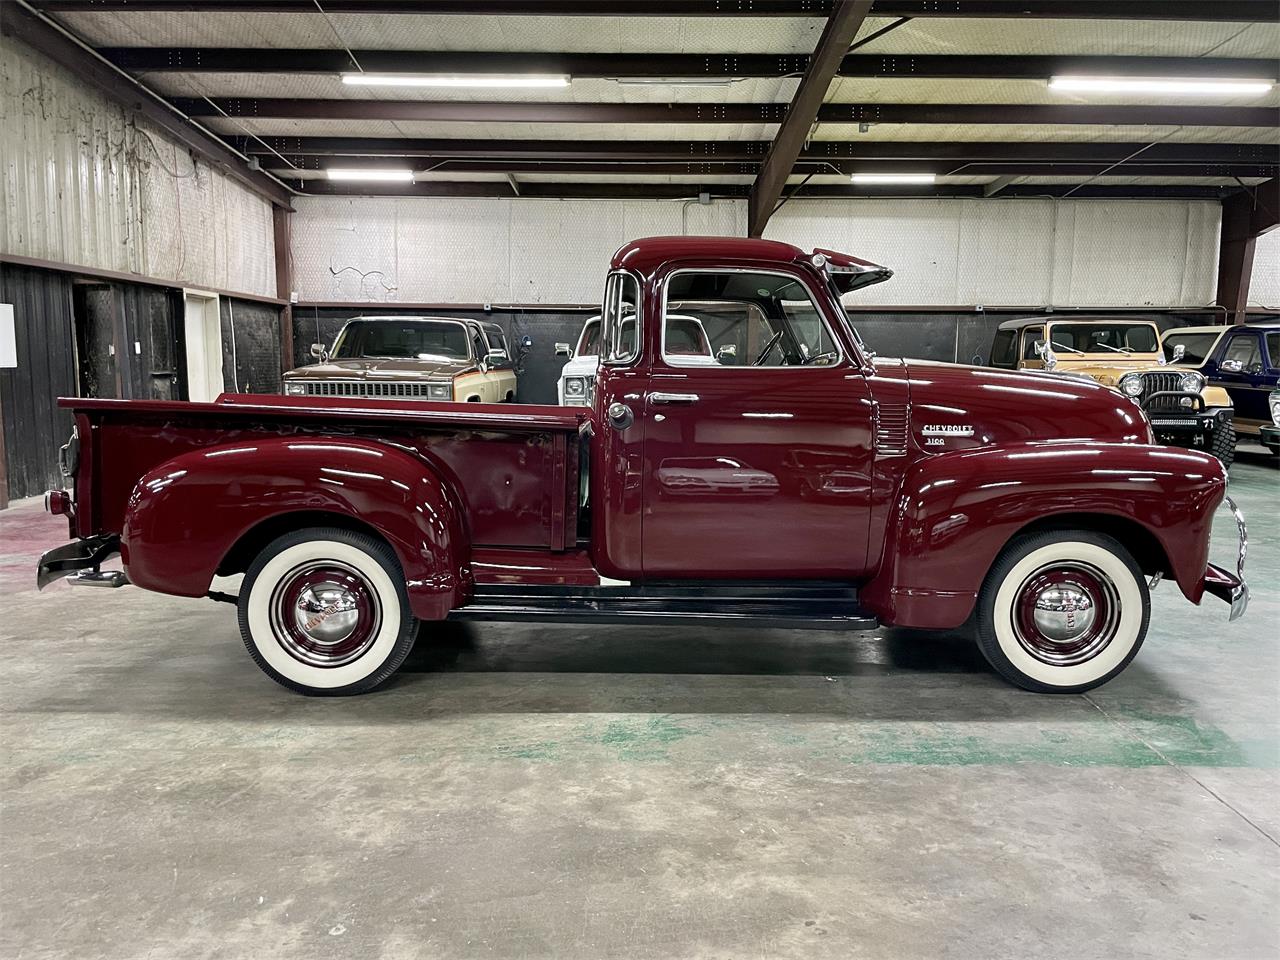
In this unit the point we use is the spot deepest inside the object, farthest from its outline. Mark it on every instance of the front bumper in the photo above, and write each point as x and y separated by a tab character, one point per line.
1269	437
1194	426
1225	585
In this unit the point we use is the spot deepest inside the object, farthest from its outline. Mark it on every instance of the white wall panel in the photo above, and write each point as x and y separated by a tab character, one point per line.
1264	288
947	251
85	184
1024	252
426	250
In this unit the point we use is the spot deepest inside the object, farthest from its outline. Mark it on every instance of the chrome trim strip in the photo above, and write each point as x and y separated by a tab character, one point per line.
1243	532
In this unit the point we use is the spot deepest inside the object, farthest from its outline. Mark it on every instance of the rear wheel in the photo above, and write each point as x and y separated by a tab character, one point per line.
1062	611
1223	444
324	611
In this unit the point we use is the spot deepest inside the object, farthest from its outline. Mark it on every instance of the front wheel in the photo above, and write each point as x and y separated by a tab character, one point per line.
1062	611
324	611
1223	444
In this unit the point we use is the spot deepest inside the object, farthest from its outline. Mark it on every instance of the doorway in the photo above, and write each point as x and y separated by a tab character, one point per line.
203	328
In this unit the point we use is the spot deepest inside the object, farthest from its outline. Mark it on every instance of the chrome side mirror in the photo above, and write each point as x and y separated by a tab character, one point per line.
727	352
1179	351
1231	366
1045	352
319	352
496	358
564	350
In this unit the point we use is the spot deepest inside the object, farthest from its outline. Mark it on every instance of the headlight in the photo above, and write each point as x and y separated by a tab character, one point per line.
295	389
575	387
440	391
1275	411
1131	384
1191	383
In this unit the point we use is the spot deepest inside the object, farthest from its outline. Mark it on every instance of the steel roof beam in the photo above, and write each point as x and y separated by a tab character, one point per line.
754	150
666	113
651	66
1220	10
842	27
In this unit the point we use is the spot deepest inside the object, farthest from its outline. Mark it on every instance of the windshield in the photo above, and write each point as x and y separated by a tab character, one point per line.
403	340
1093	338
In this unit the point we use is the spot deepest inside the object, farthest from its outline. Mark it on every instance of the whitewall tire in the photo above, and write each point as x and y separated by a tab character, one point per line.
1062	611
324	611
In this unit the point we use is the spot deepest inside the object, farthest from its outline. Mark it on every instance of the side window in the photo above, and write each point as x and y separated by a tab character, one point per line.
1030	336
730	318
478	347
1273	349
1244	348
621	340
1004	351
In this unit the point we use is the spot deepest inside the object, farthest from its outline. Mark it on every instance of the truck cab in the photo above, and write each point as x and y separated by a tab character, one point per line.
777	475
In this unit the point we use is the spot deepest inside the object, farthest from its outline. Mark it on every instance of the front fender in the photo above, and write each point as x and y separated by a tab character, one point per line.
955	512
184	516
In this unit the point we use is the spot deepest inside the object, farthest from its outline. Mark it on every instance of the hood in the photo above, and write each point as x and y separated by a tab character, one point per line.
1106	370
373	368
954	407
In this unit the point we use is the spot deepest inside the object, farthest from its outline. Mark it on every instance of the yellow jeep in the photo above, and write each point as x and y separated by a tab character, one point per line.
1124	353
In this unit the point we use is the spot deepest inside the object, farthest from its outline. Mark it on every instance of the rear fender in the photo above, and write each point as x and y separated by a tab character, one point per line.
186	515
955	513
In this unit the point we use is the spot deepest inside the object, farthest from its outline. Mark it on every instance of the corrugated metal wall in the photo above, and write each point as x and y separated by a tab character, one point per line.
1264	289
479	250
33	425
944	252
83	183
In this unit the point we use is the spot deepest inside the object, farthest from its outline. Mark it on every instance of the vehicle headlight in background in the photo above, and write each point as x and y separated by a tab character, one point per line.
1191	382
1131	384
440	391
295	389
575	387
1275	410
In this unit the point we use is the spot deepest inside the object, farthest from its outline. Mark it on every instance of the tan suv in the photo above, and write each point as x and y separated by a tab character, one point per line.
424	358
1124	353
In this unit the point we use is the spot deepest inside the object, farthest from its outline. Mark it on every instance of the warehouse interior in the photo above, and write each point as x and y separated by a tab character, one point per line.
195	195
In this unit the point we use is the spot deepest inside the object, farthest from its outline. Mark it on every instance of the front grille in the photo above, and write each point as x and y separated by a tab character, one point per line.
360	388
1156	381
891	429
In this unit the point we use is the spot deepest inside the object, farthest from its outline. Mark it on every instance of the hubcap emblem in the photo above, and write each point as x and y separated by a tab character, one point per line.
1064	613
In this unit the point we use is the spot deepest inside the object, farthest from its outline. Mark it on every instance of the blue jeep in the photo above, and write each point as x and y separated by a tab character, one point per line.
1243	359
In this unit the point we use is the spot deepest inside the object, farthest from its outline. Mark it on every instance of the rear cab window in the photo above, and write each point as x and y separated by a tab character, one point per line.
620	341
1197	347
1004	351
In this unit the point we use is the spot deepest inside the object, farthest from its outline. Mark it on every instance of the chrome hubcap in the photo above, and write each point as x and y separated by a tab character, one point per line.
325	614
1064	613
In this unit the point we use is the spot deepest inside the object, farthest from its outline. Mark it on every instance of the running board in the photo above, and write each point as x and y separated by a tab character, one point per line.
801	606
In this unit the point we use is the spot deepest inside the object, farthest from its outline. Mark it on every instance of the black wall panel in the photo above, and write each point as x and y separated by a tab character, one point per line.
250	346
33	426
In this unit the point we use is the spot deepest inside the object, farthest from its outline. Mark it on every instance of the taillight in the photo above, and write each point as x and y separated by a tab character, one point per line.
58	503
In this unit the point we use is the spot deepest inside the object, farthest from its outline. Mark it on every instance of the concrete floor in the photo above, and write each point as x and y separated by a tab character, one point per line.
635	793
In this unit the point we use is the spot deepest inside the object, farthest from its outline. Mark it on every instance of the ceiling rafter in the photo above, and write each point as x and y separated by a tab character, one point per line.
547	112
1220	10
160	59
841	29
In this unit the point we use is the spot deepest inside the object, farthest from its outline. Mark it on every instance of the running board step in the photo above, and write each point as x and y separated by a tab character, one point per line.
800	607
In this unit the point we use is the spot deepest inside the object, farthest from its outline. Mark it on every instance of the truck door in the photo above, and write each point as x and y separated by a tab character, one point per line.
1242	372
756	458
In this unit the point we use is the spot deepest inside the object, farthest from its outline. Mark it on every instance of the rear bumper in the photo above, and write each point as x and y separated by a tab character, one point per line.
87	554
1226	585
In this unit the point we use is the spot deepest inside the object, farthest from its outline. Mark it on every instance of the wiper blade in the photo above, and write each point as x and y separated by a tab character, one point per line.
1060	346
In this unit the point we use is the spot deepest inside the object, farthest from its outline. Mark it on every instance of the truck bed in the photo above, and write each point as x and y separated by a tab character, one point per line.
516	467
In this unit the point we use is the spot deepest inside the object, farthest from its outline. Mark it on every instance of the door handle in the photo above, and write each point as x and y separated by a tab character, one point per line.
673	397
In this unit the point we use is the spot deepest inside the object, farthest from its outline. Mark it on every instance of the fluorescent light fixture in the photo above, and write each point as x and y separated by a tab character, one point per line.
676	81
894	177
453	80
355	173
1204	85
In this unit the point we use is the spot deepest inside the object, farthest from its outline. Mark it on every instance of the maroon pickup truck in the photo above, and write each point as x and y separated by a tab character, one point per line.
797	482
